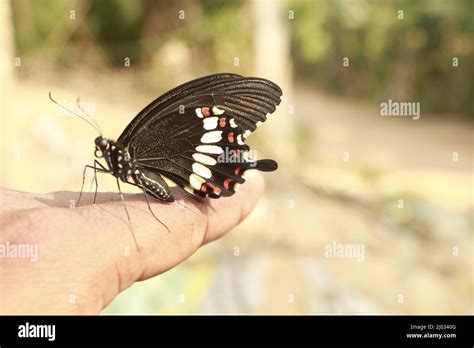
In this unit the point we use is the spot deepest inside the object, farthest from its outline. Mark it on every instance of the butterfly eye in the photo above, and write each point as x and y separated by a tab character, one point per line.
103	143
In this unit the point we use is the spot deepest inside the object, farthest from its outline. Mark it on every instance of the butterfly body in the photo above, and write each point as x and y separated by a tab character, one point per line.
122	166
193	135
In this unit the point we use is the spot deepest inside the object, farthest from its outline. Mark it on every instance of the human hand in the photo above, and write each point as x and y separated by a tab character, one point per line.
87	255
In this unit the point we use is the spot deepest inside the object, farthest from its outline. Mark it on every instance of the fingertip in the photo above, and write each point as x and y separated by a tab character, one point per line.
229	212
251	190
255	178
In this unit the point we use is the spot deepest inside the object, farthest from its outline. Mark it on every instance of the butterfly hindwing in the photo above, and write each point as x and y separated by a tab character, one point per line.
205	152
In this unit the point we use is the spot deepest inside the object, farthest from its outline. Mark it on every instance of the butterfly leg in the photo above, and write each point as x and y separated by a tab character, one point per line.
148	204
102	169
128	215
151	211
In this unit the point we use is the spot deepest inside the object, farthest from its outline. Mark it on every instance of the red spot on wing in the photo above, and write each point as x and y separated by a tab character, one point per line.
227	183
207	185
215	189
237	171
230	137
206	111
222	122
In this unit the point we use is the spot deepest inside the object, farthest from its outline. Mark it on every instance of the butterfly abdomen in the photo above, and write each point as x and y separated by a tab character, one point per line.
153	184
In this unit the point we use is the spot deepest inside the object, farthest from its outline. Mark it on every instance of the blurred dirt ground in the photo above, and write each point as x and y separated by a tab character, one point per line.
418	259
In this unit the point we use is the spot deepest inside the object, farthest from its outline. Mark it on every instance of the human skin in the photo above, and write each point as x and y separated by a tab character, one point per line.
87	254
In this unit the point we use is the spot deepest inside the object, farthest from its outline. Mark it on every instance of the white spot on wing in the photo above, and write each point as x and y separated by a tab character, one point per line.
204	159
247	133
196	181
210	123
259	123
201	170
211	137
168	181
239	139
217	111
232	123
212	149
188	189
199	112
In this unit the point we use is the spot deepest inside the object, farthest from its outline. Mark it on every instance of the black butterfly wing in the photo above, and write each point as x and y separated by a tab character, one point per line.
195	134
249	99
171	100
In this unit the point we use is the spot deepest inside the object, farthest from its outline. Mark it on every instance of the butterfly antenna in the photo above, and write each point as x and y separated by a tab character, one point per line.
88	116
80	116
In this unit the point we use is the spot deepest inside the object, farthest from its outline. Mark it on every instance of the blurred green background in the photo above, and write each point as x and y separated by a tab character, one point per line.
403	188
409	55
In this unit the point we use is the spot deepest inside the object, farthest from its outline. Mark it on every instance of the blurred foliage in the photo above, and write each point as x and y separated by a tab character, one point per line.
117	24
405	59
36	27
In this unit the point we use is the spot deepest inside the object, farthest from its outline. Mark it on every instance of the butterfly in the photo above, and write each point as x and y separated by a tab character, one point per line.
194	136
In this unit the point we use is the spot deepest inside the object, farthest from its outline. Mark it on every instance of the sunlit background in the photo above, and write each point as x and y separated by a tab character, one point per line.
400	188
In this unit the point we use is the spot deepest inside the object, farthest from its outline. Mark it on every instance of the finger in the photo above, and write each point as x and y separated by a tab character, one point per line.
12	200
100	235
211	218
227	213
192	223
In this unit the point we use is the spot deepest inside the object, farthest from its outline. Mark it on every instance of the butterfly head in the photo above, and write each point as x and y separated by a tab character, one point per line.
101	146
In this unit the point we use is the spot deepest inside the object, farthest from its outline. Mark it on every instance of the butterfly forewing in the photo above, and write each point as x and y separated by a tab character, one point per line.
249	99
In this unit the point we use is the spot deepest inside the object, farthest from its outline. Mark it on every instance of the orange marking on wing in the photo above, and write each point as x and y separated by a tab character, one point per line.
206	111
227	183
